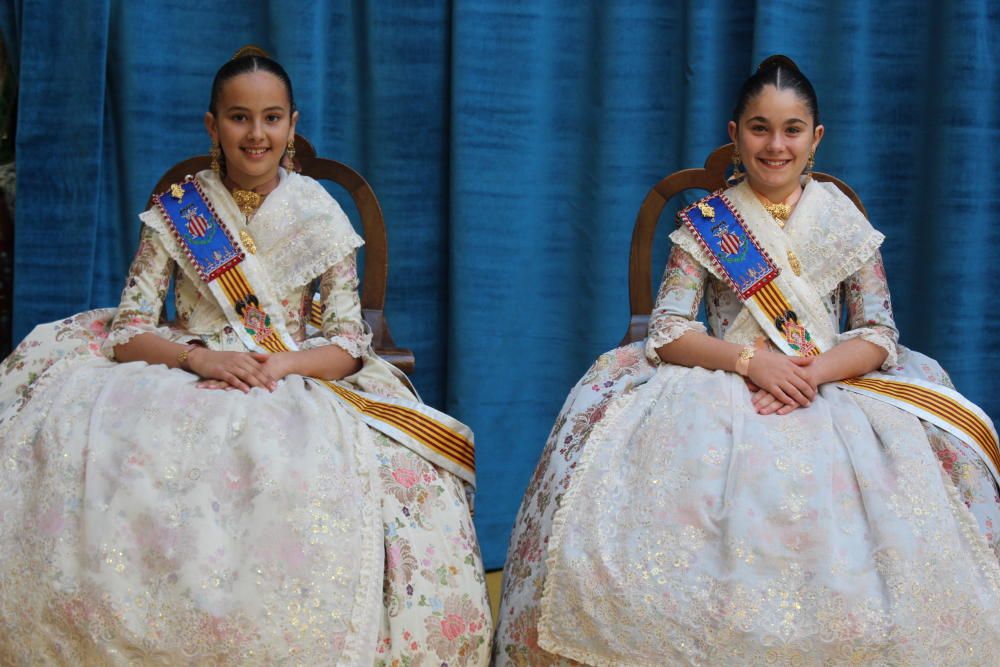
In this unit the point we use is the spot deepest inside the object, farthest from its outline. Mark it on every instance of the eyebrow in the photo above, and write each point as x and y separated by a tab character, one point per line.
239	108
761	119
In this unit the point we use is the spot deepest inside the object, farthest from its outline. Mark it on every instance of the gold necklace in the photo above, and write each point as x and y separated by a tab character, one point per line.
780	212
248	201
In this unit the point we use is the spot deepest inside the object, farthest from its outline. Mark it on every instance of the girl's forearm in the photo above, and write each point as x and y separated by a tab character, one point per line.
329	362
699	349
849	359
150	348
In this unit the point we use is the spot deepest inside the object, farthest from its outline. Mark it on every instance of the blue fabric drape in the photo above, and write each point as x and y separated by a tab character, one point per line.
510	144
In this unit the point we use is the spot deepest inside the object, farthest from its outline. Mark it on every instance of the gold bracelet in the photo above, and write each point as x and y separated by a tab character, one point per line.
743	361
182	356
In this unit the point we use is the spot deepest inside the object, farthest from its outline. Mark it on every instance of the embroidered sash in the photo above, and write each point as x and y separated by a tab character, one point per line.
748	269
741	261
237	282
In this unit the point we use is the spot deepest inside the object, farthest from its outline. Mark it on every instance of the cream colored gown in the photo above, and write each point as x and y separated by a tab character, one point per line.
668	523
146	521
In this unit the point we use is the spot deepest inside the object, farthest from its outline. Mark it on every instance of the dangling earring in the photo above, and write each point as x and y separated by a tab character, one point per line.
810	164
737	175
290	155
214	153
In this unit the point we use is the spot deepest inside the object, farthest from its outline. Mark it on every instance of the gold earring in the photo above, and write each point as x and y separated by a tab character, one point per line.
737	175
811	163
289	161
214	153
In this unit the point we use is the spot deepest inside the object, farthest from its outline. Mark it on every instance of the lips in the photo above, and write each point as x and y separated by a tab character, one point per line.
773	164
255	151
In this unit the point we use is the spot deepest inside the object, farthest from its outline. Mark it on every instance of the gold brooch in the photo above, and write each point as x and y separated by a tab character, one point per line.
248	242
794	262
248	201
706	210
177	192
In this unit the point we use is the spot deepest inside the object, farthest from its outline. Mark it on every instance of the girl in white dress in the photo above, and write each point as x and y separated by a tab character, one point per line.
725	498
234	488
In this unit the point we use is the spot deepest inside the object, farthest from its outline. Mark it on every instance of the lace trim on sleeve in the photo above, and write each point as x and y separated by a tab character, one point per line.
668	330
357	346
126	326
677	302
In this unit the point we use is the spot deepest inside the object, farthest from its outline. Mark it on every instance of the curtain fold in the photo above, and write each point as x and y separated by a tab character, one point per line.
511	144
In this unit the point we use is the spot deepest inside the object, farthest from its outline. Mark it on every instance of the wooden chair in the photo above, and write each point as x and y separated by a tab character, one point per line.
376	269
711	177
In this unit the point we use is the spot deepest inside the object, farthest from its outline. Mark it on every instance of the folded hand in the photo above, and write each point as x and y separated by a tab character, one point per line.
240	370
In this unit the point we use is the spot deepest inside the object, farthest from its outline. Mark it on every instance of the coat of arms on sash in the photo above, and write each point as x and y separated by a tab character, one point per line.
731	243
197	225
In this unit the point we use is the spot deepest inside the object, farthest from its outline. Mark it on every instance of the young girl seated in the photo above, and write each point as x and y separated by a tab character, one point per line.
724	498
227	489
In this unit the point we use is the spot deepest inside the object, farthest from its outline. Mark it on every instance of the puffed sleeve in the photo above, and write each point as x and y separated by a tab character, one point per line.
342	323
869	309
145	291
677	302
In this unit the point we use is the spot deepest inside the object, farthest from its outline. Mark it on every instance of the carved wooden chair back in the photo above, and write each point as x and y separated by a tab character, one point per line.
711	177
376	264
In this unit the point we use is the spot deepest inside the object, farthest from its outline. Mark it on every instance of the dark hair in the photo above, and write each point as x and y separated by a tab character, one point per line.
248	59
782	73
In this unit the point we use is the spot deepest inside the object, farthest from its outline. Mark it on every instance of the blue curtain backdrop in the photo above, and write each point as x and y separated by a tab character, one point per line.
510	144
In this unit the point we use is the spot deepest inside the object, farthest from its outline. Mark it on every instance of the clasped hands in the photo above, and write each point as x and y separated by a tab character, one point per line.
238	370
780	383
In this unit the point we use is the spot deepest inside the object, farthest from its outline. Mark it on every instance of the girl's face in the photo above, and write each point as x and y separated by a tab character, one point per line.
253	127
774	137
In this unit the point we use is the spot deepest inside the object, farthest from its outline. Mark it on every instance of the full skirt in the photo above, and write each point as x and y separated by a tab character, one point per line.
146	521
668	523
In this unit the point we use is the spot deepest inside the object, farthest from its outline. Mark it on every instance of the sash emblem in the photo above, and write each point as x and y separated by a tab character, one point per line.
719	228
197	224
797	335
256	322
731	243
194	223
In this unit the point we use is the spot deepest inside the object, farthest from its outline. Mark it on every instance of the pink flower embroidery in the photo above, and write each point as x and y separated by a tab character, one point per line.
407	478
393	555
452	626
948	458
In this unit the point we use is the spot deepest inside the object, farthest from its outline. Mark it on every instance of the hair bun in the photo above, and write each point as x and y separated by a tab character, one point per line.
777	60
251	50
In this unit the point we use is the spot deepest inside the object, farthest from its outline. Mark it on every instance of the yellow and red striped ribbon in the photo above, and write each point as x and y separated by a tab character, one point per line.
316	314
941	406
430	432
774	304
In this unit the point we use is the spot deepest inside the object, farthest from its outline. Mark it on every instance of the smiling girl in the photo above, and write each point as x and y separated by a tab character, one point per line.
725	498
223	499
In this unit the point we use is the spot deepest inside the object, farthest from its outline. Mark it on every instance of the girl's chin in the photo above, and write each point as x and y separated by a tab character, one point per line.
252	171
773	180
